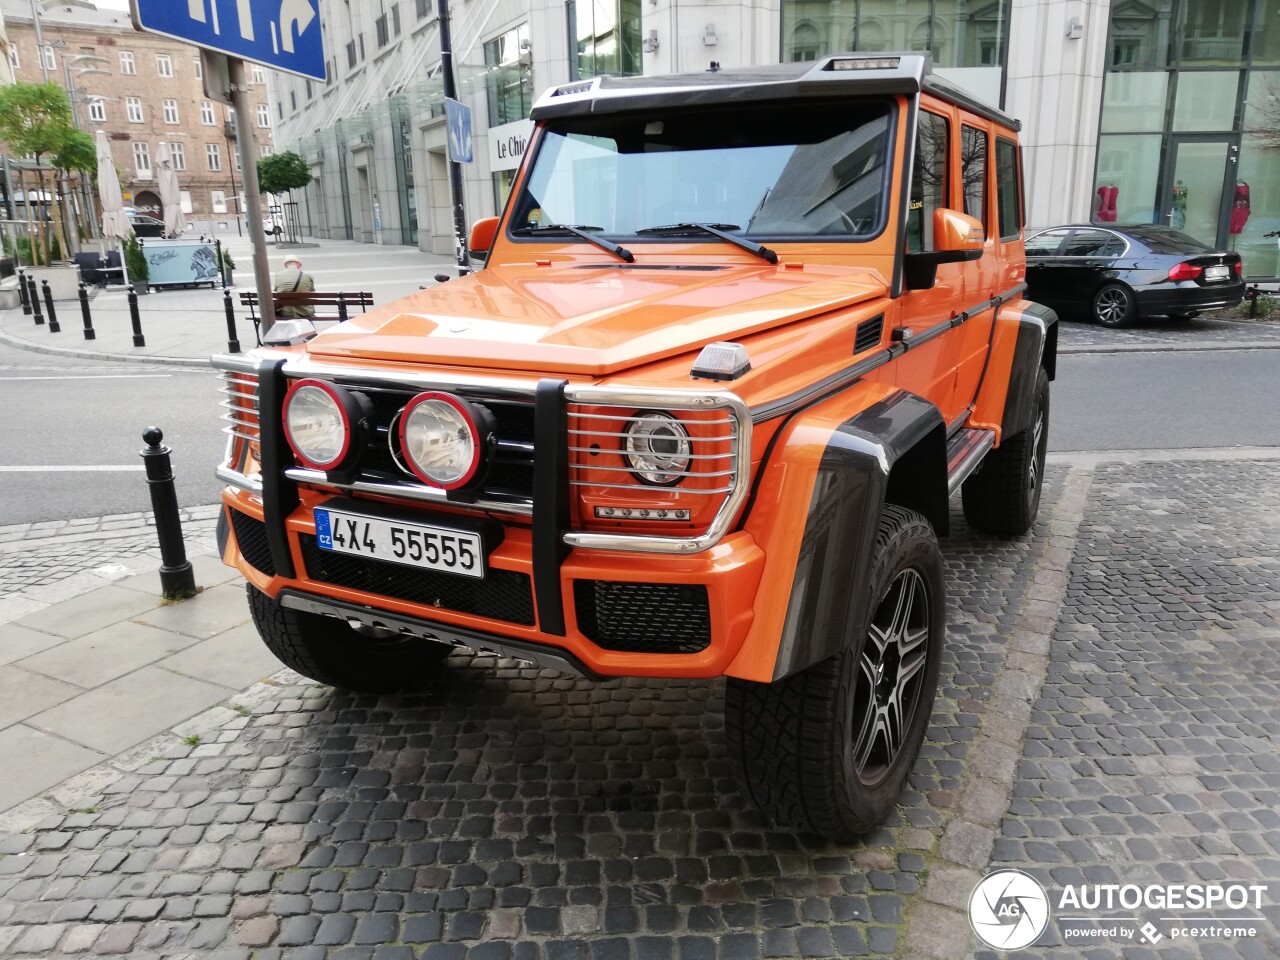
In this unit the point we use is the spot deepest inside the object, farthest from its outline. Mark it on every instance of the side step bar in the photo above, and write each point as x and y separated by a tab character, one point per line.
965	450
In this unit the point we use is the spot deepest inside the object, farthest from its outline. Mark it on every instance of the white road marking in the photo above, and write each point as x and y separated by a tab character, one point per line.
100	376
88	468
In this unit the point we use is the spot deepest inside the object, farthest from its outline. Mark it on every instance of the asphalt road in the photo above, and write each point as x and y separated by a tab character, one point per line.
71	429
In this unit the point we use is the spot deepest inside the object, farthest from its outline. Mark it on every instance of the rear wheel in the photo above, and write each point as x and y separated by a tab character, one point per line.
828	750
1114	306
1003	495
333	652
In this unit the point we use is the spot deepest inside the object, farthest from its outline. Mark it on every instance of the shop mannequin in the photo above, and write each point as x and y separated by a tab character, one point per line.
1179	221
1106	203
1240	208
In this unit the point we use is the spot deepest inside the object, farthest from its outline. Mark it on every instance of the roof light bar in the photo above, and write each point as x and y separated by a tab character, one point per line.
865	63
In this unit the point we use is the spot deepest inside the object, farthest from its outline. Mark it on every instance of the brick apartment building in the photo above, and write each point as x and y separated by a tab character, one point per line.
145	90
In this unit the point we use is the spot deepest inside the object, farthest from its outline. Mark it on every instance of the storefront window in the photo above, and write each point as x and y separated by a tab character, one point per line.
508	82
1213	31
609	39
1205	101
1259	173
1134	102
1129	166
1264	43
957	34
1140	34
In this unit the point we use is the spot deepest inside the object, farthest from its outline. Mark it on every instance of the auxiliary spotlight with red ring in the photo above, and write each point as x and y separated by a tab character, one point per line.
324	424
445	440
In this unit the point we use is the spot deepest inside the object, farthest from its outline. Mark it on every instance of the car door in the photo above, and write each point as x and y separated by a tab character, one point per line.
1086	261
1042	248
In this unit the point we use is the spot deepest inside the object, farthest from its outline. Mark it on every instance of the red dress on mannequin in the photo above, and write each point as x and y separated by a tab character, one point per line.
1240	209
1107	204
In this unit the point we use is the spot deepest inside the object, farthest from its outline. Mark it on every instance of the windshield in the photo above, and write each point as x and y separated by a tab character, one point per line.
785	170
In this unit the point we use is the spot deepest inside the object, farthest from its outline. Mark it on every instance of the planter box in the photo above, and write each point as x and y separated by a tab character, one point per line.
64	280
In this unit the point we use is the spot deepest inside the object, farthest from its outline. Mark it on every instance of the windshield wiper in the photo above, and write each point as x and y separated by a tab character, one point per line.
581	232
716	230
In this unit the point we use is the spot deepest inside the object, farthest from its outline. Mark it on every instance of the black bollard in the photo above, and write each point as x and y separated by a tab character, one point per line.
138	339
342	306
54	326
34	296
22	292
177	579
85	314
233	341
1252	296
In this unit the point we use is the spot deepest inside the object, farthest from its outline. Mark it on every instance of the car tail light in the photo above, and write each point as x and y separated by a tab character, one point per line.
1238	267
1185	271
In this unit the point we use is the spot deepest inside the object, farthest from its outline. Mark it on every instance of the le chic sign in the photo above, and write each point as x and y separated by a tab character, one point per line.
507	144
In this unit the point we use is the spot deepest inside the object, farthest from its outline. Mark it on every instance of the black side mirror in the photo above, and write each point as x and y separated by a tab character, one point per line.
920	270
442	278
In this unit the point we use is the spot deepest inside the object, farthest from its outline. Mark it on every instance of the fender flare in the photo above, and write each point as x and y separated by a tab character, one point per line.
893	451
1036	346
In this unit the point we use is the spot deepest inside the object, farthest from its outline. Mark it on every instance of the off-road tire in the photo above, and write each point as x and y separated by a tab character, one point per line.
1003	495
792	742
329	651
1114	306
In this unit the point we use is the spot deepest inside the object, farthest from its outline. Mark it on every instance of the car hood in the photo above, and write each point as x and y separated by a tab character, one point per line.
595	319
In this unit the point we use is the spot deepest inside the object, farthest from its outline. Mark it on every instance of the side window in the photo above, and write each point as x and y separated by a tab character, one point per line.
1093	243
928	180
1045	244
973	173
1009	189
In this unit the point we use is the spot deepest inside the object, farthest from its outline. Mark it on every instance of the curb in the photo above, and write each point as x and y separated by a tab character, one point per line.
1170	347
20	344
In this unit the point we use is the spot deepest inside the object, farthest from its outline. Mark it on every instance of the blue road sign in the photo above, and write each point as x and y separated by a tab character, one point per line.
457	117
284	34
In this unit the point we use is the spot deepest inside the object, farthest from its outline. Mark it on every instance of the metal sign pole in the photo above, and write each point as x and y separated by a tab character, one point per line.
455	169
246	144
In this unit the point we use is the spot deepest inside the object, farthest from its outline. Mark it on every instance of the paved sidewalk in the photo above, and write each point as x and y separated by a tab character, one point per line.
1108	713
186	326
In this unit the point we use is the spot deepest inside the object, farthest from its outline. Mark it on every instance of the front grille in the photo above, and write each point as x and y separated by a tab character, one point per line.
251	538
501	594
643	617
869	334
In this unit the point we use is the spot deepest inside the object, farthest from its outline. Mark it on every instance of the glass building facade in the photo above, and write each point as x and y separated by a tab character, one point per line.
1190	121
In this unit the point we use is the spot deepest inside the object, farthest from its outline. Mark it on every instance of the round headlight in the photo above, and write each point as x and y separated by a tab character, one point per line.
317	424
658	448
440	440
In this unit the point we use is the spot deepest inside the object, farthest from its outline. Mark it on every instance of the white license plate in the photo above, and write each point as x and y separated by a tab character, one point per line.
413	544
1216	273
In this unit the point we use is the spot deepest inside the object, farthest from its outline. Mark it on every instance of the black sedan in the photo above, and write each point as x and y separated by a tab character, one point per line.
145	226
1118	274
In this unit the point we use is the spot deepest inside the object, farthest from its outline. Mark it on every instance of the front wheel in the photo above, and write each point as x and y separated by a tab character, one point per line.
334	653
1114	306
828	750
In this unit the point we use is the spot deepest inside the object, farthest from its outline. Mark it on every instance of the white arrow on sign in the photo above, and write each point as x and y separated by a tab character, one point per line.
294	14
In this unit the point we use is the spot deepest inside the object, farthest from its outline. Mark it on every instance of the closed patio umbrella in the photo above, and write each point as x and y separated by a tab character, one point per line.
114	222
175	221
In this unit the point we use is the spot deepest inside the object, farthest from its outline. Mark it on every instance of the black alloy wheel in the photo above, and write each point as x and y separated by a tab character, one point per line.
1113	306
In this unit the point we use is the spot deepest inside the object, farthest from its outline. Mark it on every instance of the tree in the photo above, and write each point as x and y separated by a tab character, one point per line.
1262	118
35	120
78	154
283	173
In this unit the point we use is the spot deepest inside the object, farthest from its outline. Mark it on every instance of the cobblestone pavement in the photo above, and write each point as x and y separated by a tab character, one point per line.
1078	333
505	812
1152	752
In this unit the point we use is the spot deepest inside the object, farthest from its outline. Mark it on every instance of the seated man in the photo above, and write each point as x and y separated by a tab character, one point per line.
292	280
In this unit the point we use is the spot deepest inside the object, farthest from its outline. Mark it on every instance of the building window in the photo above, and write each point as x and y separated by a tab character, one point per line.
206	113
178	156
929	180
170	111
609	38
266	149
395	19
142	158
97	110
13	56
218	200
264	116
133	109
49	60
280	109
128	66
508	80
199	68
381	32
235	159
293	100
258	75
424	9
164	65
1008	189
309	88
351	54
213	156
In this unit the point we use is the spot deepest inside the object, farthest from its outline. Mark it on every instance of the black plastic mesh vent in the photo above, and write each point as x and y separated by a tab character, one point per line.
500	595
251	538
869	334
643	617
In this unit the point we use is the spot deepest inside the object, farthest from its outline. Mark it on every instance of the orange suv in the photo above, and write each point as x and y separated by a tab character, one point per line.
737	339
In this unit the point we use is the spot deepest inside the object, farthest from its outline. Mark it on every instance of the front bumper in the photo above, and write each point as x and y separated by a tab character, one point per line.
623	614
